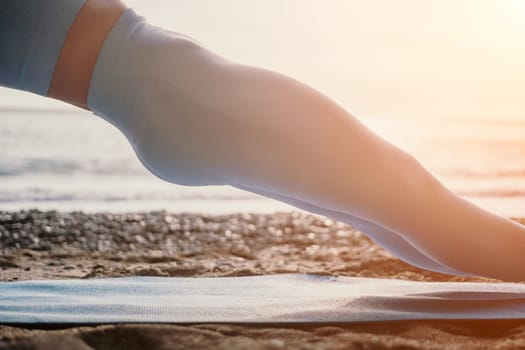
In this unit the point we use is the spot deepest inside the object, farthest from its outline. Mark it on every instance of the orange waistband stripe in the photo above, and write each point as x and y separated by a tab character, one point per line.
77	58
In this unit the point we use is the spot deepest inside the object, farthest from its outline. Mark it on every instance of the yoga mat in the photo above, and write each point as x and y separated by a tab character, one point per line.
285	298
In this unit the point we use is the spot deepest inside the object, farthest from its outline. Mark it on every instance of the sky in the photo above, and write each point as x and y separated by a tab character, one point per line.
403	58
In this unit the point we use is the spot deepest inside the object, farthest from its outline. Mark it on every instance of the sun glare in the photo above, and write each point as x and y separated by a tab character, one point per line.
512	18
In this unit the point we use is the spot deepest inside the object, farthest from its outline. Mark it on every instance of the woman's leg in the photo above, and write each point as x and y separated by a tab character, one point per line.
297	143
212	121
195	118
391	241
315	151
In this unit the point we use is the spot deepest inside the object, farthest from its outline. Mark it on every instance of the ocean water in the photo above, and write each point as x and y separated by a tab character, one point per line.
69	160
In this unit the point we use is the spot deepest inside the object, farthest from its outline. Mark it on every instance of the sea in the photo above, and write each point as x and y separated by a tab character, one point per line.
74	161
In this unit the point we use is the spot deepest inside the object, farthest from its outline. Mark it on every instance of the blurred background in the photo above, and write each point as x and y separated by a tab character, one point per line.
443	80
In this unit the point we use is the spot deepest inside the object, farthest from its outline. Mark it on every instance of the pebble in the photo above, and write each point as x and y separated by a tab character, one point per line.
276	343
183	235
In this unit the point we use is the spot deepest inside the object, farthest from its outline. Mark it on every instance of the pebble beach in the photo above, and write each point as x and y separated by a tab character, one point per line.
52	245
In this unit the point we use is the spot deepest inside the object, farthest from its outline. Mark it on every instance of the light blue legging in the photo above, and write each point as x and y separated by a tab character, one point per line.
196	118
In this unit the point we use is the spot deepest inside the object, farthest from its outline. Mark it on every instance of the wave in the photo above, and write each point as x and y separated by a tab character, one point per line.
514	173
493	193
46	195
39	166
42	195
128	166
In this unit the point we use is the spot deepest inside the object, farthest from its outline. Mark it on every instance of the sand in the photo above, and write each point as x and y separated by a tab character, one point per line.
45	245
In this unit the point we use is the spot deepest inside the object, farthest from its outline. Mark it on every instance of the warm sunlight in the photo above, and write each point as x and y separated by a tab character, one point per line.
502	21
515	12
418	58
262	174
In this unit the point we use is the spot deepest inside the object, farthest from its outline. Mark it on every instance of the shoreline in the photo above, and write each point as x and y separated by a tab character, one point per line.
56	245
53	244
